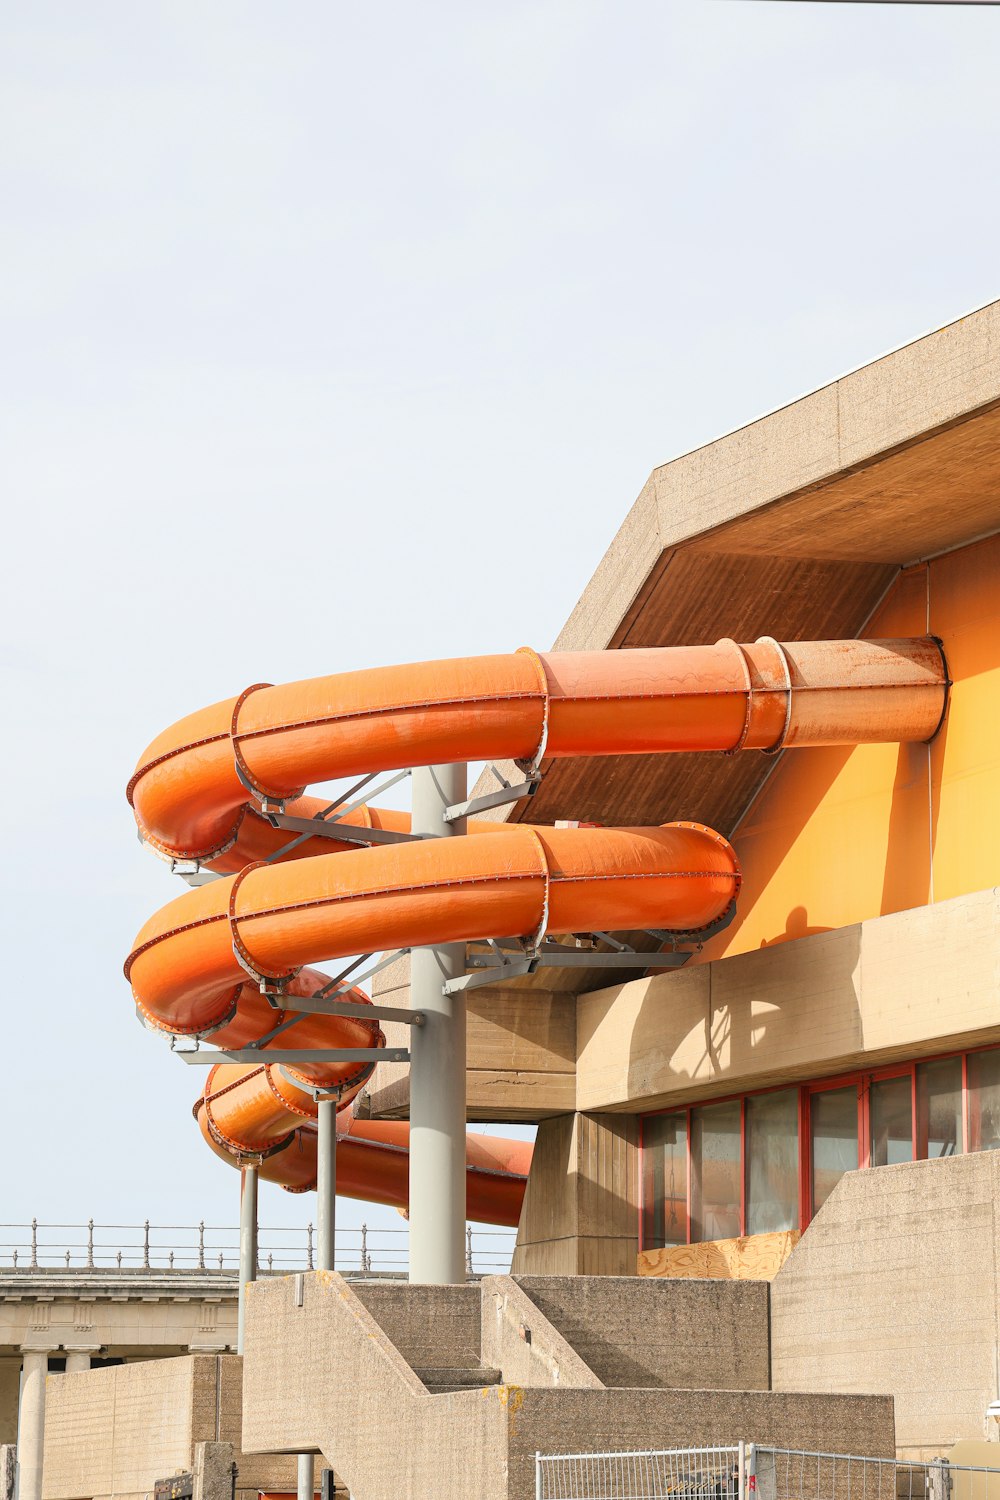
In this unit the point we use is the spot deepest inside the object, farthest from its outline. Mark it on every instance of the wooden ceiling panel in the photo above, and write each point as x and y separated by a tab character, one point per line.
699	596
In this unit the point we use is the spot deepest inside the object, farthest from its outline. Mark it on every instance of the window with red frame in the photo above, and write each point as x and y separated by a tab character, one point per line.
767	1161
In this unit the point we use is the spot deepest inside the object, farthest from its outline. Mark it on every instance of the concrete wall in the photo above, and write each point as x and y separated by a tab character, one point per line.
580	1211
631	1331
906	984
519	1339
325	1375
10	1376
596	1421
116	1431
431	1326
521	1050
894	1288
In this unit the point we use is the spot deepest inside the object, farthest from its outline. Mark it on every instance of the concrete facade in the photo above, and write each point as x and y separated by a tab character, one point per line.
894	1288
677	1335
53	1321
907	983
114	1432
579	1216
845	511
319	1360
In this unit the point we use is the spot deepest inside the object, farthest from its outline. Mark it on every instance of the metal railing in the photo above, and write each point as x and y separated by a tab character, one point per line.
746	1472
215	1248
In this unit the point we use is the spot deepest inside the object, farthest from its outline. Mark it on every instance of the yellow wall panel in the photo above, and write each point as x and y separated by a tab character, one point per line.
839	835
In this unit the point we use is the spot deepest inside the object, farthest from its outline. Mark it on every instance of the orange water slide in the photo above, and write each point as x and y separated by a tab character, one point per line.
314	899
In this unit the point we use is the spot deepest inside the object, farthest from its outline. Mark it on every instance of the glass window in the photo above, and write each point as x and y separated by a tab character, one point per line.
939	1108
715	1171
772	1149
984	1101
664	1181
891	1114
833	1117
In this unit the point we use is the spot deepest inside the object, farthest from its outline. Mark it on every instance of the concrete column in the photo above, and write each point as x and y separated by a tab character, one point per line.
248	1245
581	1207
78	1358
8	1470
31	1423
437	1073
213	1471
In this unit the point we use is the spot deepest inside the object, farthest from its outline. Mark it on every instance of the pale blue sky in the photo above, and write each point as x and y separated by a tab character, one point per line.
337	335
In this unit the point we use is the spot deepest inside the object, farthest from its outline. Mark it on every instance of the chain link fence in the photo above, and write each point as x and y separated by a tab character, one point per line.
746	1472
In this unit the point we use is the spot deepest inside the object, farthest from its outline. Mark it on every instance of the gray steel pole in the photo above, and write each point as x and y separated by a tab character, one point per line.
304	1476
437	1069
326	1184
326	1225
248	1245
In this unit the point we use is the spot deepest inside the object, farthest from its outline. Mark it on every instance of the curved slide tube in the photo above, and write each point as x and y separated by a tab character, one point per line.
192	794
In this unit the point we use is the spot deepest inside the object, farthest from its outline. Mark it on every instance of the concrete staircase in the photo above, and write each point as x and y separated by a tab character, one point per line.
454	1378
415	1390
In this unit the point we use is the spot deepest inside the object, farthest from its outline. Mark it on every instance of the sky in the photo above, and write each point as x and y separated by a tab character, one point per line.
334	336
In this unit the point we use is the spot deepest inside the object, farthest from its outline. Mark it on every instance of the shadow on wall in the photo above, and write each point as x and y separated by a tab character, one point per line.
913	823
808	776
750	1018
796	926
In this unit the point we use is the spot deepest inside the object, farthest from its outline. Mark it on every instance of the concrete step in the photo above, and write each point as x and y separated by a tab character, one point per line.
445	1378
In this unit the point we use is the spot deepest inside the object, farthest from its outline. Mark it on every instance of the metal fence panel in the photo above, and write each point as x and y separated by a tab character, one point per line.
745	1472
684	1474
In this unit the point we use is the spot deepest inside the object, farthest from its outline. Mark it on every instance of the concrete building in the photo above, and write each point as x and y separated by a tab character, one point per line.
696	1122
789	1145
54	1322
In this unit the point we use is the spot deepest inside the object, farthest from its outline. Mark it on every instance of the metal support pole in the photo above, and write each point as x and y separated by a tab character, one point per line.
326	1184
248	1245
305	1477
437	1071
326	1226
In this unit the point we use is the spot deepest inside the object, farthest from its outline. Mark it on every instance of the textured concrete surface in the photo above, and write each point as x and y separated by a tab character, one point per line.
634	1331
116	1431
596	1421
8	1469
326	1375
431	1326
909	983
315	1374
10	1376
580	1210
894	1288
520	1340
214	1471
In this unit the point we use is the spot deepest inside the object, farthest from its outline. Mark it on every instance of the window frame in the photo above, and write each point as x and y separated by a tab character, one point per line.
862	1080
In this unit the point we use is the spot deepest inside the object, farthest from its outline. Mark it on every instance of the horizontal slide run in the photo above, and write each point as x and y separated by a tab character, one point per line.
288	903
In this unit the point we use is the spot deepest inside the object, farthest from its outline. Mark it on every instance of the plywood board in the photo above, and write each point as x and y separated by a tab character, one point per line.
755	1257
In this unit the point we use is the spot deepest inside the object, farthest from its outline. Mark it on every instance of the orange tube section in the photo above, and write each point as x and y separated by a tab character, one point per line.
373	1160
185	973
193	792
190	801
